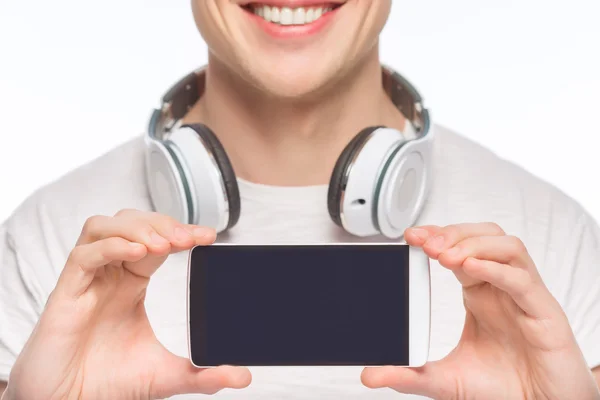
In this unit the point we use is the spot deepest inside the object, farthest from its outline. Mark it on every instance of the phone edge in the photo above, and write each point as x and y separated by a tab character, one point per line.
419	303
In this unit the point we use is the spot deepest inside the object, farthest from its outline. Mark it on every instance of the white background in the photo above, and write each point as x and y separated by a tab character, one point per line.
519	76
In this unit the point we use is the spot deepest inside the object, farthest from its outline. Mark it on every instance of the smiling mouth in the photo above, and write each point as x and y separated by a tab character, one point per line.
287	16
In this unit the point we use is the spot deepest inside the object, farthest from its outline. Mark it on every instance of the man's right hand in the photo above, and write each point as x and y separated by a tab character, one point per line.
93	340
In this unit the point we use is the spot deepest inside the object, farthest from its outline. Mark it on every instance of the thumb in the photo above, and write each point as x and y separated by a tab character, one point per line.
176	376
422	381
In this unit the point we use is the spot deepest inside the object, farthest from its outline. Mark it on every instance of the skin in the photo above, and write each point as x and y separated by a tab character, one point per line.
294	106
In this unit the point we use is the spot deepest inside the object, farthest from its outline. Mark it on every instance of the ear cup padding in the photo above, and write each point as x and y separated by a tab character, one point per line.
338	182
227	172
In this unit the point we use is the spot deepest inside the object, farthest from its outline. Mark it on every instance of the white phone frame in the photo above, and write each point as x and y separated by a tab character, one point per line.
419	292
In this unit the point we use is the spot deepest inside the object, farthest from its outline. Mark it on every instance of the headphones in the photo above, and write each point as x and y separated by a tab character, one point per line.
378	186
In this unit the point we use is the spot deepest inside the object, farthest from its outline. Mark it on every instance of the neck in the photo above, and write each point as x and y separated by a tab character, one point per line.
292	142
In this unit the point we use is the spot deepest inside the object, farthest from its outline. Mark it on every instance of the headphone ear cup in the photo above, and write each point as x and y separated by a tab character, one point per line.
339	177
368	193
169	181
227	173
402	189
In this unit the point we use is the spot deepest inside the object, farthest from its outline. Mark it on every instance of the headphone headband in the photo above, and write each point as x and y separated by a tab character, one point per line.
186	92
378	185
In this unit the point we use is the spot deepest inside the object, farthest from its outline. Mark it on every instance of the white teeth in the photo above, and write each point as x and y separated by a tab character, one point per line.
289	16
275	15
299	16
267	13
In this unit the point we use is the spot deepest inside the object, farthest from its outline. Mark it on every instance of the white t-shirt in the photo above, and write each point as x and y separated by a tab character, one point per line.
471	184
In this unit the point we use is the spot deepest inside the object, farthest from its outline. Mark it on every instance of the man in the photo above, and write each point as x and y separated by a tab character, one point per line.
90	306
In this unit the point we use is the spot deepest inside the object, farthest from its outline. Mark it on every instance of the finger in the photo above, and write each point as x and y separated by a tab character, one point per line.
101	227
178	376
527	292
84	260
161	234
148	266
180	236
502	249
418	381
446	237
418	235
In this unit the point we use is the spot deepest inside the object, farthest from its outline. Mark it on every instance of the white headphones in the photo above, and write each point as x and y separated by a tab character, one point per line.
378	186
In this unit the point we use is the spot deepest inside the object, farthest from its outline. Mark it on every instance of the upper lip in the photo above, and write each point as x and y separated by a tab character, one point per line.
293	3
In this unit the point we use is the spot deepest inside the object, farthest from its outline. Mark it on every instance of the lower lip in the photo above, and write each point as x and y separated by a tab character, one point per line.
294	31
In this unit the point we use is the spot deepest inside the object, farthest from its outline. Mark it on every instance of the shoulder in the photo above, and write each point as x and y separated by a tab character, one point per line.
463	165
472	183
54	215
459	155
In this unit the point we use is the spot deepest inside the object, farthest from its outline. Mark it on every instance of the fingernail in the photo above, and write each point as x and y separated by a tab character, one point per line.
436	242
157	239
181	234
420	233
135	246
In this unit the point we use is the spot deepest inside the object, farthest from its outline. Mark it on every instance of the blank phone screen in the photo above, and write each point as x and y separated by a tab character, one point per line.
299	305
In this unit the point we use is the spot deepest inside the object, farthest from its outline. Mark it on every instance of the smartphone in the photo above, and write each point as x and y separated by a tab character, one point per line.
308	305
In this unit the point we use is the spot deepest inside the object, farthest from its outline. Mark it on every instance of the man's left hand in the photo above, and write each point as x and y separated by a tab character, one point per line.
516	343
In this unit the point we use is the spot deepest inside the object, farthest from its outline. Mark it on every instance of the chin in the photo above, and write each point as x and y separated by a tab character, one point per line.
295	78
298	90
